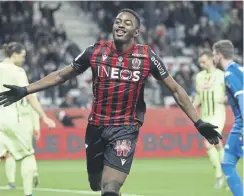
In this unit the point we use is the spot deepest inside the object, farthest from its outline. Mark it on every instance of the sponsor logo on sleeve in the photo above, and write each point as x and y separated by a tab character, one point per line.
160	68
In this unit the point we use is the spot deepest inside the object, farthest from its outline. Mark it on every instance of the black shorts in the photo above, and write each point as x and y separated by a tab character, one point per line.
113	146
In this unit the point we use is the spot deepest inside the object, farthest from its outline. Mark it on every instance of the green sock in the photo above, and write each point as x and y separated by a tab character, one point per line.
214	158
28	170
10	169
221	154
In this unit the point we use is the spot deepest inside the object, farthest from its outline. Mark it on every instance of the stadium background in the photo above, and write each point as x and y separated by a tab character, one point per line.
55	32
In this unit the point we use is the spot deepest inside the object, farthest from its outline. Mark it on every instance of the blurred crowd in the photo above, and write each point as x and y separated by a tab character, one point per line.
177	31
170	27
46	42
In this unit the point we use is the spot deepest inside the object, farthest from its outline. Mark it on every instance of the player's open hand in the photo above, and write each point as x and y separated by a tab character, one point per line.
223	100
14	94
208	131
37	134
49	122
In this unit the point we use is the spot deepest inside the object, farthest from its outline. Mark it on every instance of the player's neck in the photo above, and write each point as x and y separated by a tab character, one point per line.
226	62
8	61
123	48
211	69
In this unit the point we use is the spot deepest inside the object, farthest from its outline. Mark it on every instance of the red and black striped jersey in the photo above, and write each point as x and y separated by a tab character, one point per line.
118	81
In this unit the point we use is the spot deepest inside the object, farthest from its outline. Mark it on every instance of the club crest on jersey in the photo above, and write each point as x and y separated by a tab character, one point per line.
208	82
120	61
136	63
122	148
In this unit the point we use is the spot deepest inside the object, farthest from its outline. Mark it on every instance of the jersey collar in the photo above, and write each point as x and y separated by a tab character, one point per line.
229	64
121	53
8	62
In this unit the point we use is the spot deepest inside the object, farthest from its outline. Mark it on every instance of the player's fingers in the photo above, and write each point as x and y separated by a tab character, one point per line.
8	86
7	103
214	126
37	135
3	101
216	140
3	96
53	125
210	140
219	135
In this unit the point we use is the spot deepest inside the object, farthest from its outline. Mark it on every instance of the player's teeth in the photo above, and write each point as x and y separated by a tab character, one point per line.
121	32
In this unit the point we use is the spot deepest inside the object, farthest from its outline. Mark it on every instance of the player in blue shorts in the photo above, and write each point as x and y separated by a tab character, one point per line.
223	52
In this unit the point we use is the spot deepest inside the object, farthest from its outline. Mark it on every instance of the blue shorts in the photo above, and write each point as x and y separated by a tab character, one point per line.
234	144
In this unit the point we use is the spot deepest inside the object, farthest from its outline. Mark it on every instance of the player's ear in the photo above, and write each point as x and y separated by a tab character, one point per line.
136	33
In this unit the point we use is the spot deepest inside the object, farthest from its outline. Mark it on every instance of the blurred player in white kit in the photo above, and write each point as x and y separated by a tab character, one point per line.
19	122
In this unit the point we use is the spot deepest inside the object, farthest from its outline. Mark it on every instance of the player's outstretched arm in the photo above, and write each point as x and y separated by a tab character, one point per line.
16	92
160	72
196	101
205	129
36	105
34	102
181	98
79	65
53	79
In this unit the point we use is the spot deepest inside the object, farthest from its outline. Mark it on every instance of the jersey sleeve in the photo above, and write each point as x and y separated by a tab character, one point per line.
157	67
82	62
236	86
234	83
241	105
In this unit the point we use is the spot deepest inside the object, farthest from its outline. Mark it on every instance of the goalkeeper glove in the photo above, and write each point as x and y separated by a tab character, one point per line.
14	94
208	131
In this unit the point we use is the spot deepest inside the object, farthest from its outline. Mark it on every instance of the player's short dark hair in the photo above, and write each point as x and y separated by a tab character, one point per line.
206	52
134	14
12	47
224	47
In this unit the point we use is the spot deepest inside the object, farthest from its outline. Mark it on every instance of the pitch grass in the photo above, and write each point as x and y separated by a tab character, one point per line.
152	177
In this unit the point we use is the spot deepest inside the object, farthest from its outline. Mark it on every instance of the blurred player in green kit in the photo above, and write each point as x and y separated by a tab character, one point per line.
20	122
211	98
31	121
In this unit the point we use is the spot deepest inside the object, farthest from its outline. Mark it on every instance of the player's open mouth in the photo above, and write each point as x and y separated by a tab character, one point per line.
120	32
